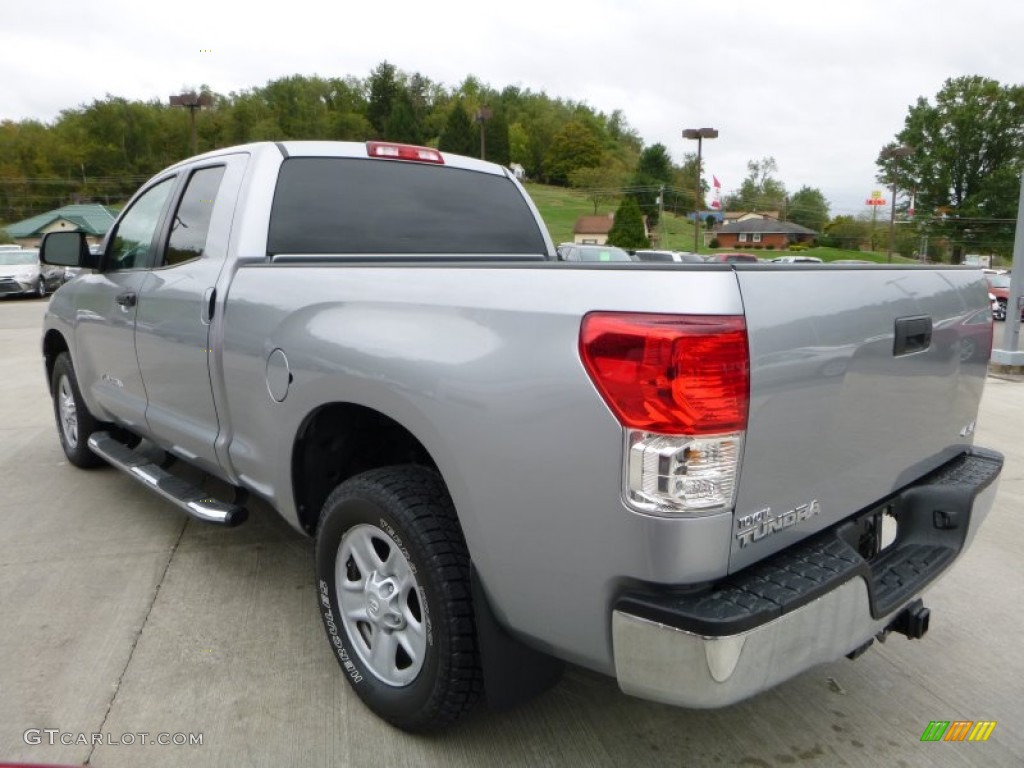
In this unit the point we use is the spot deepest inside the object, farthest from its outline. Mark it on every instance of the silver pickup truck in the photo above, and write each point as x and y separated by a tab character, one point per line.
700	479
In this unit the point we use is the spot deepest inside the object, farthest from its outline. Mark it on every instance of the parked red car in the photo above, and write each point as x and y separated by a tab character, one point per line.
733	258
999	286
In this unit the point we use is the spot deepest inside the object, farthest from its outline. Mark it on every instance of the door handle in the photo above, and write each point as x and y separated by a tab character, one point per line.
913	334
209	304
127	299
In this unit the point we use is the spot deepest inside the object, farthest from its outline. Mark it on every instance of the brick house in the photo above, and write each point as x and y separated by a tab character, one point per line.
761	233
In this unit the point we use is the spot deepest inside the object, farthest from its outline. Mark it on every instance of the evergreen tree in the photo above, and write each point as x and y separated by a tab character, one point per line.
653	171
496	135
628	228
459	136
402	125
384	87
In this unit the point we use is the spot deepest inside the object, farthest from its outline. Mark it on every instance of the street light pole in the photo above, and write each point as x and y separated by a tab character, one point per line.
699	134
192	102
894	154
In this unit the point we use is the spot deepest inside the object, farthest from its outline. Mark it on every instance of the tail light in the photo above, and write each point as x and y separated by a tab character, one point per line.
680	386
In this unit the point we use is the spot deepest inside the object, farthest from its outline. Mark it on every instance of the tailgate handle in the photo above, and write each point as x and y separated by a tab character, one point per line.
913	334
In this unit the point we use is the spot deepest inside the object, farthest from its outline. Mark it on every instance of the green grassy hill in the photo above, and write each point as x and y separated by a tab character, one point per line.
560	207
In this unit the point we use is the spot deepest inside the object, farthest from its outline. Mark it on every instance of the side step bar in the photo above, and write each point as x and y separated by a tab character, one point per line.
187	497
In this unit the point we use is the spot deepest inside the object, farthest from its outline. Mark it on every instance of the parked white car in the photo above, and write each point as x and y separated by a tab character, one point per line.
796	260
22	274
668	257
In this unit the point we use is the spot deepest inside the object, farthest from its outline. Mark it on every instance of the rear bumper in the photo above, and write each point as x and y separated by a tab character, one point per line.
807	605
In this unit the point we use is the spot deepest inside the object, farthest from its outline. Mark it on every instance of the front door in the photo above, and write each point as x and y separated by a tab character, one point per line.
107	304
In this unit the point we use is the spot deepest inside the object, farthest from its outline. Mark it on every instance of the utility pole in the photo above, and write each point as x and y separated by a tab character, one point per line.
482	115
661	217
1010	355
894	154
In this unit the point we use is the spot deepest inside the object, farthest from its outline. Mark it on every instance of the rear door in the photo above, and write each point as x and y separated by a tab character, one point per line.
176	308
861	381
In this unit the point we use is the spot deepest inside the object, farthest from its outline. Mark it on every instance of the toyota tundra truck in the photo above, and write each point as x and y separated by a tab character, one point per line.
700	479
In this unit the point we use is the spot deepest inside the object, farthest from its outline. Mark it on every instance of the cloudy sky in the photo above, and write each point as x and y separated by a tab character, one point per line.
820	85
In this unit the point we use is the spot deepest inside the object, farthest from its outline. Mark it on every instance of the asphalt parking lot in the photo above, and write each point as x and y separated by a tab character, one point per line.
119	616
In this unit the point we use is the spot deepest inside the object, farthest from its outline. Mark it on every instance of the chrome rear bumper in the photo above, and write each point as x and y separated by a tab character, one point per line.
680	650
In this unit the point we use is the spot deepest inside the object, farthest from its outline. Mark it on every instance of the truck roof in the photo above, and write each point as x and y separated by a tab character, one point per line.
353	149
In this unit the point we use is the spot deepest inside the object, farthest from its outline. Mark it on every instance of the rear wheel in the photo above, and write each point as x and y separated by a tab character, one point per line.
393	582
74	422
999	313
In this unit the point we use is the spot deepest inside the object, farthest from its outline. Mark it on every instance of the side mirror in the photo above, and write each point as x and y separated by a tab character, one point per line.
66	249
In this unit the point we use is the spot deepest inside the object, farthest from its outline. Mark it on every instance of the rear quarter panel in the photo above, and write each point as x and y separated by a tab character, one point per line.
481	364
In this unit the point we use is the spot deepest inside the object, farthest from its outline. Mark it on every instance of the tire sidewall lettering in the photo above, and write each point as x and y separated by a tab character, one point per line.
336	636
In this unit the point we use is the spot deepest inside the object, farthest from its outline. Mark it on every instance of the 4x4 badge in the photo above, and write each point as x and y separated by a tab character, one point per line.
758	525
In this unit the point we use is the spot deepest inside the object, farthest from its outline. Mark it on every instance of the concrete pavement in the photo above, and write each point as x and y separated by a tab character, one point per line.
120	616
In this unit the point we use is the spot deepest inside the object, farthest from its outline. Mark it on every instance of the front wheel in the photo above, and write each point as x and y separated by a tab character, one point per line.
41	289
74	422
394	592
999	312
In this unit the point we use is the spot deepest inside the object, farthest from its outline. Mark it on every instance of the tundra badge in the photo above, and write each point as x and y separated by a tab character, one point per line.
758	525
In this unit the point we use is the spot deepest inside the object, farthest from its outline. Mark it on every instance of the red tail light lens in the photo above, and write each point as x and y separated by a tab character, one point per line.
670	374
390	151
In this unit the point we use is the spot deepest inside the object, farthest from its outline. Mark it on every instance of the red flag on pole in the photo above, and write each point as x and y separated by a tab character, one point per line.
716	200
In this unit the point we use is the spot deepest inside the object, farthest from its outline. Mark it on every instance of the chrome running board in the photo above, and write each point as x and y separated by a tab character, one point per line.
183	494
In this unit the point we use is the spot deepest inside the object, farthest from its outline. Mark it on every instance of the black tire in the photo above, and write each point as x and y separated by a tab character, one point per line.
999	313
40	289
73	437
406	514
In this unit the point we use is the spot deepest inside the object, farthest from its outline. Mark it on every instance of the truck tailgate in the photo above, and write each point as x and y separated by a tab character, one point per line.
862	380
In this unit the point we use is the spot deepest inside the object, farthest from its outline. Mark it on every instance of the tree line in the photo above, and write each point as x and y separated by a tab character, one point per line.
103	150
966	149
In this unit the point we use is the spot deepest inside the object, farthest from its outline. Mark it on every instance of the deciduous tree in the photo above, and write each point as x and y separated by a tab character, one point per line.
809	208
760	190
573	147
600	183
968	155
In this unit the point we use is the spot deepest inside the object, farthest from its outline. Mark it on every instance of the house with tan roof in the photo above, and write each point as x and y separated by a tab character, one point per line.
593	230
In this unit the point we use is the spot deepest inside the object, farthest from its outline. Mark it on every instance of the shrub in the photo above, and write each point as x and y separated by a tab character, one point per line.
770	247
713	243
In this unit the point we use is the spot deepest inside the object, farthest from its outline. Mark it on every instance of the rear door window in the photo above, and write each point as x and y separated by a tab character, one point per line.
369	206
191	222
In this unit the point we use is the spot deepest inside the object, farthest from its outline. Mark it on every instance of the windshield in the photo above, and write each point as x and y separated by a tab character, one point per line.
603	253
19	257
653	256
1000	281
